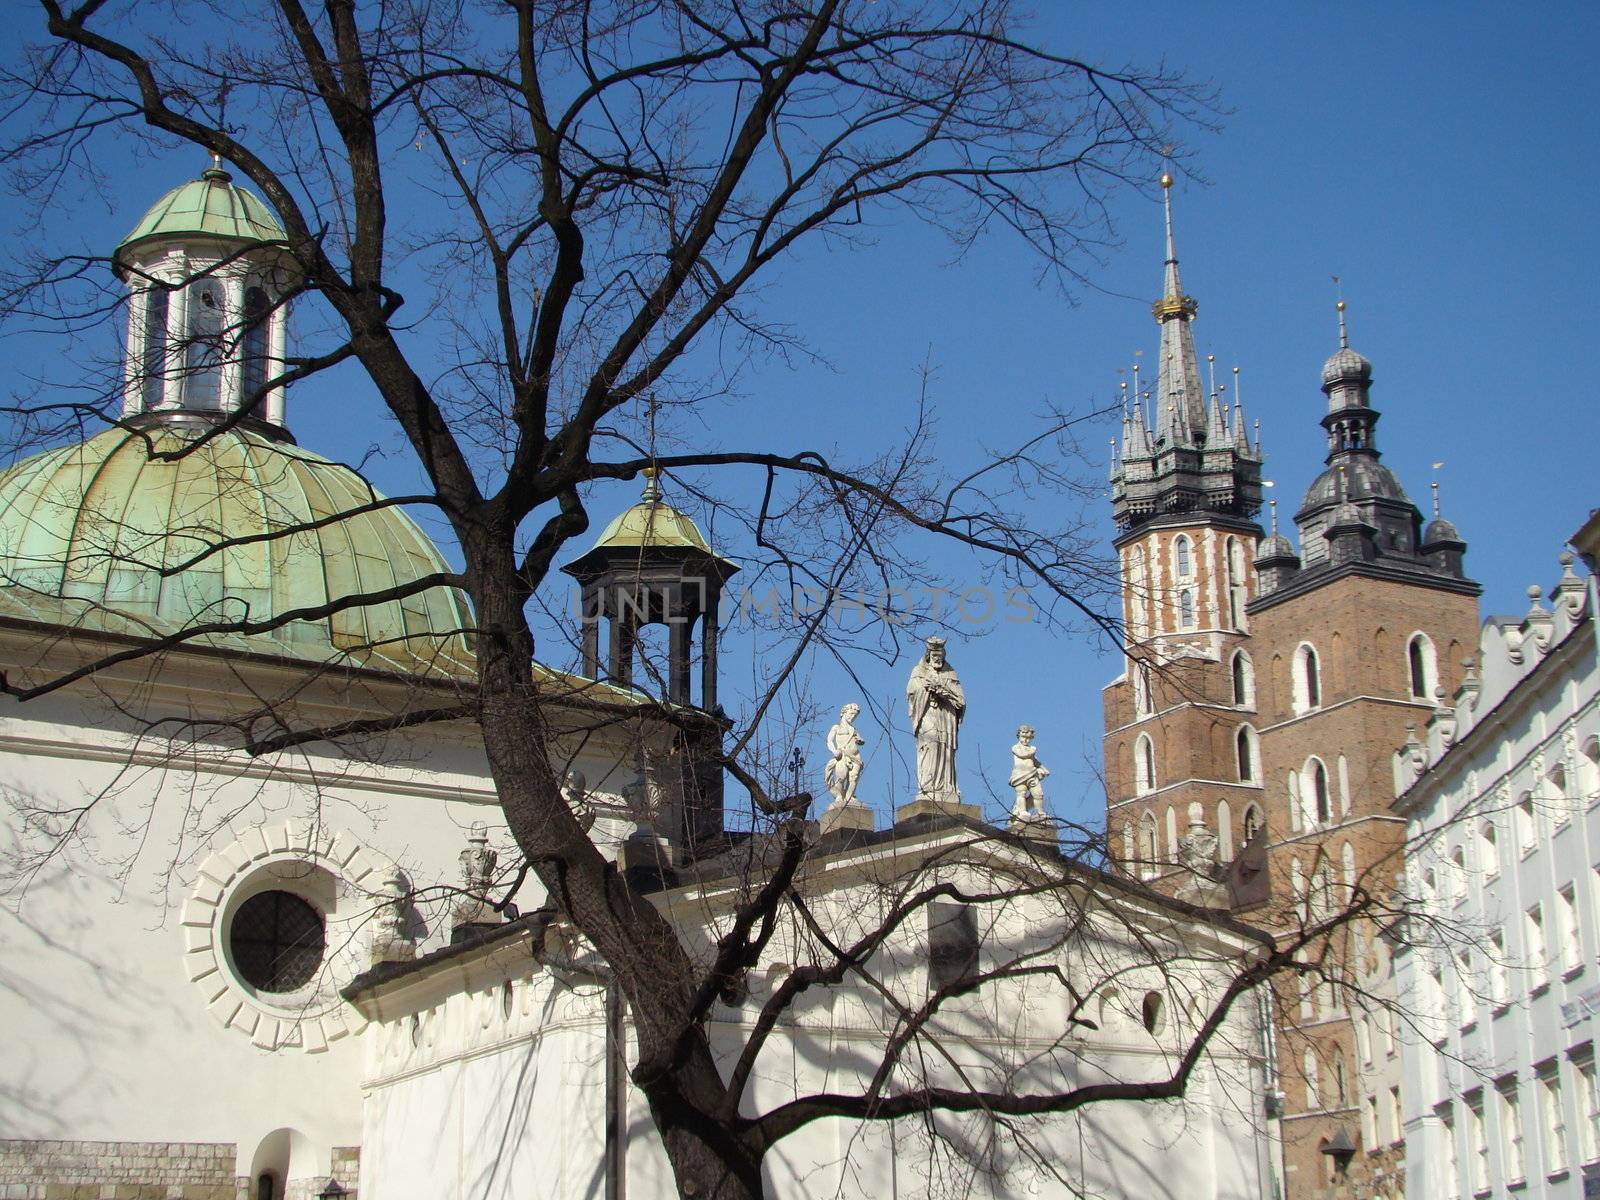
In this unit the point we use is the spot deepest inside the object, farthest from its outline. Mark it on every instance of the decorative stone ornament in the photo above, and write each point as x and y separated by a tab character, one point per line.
842	772
477	871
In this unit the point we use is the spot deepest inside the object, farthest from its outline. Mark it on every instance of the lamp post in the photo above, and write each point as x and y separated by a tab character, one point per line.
332	1190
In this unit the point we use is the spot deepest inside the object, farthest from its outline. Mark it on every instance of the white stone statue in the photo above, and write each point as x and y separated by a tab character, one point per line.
843	769
1027	776
936	704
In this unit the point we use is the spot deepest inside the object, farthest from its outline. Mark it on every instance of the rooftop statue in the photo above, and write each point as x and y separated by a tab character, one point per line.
936	704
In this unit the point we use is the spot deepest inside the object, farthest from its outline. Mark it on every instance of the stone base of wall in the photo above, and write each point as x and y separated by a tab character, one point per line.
52	1170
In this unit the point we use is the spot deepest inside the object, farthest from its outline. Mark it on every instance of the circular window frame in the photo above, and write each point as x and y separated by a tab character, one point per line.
290	857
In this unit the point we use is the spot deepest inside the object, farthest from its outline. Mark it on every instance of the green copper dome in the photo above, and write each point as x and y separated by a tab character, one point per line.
208	207
103	535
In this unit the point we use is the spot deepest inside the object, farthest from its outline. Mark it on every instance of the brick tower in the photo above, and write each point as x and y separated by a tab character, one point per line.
1180	747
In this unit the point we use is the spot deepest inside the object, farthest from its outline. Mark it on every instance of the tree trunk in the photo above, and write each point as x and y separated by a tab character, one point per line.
708	1162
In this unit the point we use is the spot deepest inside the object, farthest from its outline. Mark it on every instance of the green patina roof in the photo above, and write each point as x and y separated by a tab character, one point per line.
211	206
88	530
652	522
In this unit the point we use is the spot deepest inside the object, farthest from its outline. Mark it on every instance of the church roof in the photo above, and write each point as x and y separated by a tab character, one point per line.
1365	478
212	206
652	523
111	535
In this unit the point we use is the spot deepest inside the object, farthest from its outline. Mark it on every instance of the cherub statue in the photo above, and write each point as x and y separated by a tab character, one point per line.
1027	776
843	769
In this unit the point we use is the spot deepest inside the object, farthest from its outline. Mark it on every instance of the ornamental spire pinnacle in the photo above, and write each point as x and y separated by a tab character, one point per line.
1179	391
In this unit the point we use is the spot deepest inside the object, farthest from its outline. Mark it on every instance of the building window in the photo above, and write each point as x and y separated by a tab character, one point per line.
1152	1014
1308	1065
1479	1137
1181	556
277	942
1588	1108
1447	1147
1420	661
1554	1117
1369	1123
1589	770
202	350
1511	1130
1244	745
1499	986
254	345
1224	831
1142	705
153	353
1149	847
1138	592
952	948
1488	850
1340	1093
1534	946
1466	999
1321	805
1570	933
1527	824
1397	1116
1186	609
1307	679
1244	689
1144	765
1364	1038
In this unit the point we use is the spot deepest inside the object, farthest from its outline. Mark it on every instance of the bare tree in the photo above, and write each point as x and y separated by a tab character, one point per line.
613	181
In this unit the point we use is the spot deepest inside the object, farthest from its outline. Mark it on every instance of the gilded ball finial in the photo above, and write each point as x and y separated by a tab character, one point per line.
1340	306
1166	180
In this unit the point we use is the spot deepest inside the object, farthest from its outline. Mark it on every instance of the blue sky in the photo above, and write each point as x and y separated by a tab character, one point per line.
1439	158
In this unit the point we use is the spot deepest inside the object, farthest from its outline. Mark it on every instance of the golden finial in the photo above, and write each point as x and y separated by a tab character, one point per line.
1166	180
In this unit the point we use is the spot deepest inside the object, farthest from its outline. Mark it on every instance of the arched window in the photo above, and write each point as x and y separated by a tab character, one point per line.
1307	679
1127	844
1527	823
153	353
1181	557
1138	592
1235	561
254	345
1172	833
1153	1013
1144	765
1244	746
1244	679
1313	1090
1235	608
1421	663
1322	807
1589	769
1341	1092
1297	808
1224	831
1252	823
1149	847
1186	609
202	351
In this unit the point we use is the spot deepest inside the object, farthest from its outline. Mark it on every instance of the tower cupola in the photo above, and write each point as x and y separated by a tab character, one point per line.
209	273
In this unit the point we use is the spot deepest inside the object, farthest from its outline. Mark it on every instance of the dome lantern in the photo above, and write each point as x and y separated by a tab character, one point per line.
210	273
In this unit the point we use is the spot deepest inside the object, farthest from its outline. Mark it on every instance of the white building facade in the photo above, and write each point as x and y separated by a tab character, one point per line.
1500	967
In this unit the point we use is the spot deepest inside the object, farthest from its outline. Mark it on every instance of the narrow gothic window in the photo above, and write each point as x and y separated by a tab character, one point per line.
153	359
1149	850
1180	554
1245	753
1319	788
1308	679
1144	765
1241	678
1186	609
255	344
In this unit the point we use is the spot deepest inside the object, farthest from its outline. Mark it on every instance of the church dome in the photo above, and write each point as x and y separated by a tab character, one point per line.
105	534
1346	366
1365	478
208	207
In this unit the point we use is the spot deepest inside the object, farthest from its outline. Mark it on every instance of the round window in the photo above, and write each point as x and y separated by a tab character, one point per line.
277	941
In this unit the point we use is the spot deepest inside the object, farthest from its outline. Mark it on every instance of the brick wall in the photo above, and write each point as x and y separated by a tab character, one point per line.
67	1170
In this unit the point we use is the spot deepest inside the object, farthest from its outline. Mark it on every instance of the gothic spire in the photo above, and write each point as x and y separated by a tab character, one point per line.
1179	393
